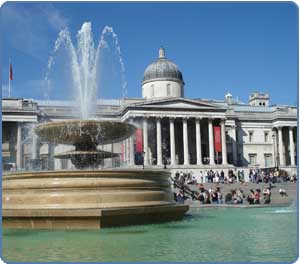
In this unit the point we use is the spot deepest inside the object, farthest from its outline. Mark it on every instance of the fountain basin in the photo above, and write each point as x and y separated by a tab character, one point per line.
87	199
84	134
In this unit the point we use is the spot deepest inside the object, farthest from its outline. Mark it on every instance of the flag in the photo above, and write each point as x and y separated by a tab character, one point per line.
10	72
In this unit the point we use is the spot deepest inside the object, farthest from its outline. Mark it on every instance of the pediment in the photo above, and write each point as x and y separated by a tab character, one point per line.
179	103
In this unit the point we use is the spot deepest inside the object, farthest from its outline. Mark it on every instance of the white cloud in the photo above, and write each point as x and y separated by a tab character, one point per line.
54	17
27	26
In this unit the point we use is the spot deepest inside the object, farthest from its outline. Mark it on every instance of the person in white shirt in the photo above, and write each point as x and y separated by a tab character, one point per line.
201	177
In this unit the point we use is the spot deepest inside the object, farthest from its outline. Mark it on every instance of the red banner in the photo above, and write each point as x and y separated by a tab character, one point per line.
217	139
139	140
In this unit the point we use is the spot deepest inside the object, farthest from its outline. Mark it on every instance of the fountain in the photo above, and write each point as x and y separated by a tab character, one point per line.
88	197
85	135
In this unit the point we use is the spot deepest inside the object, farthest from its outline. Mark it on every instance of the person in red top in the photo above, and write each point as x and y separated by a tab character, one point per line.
257	196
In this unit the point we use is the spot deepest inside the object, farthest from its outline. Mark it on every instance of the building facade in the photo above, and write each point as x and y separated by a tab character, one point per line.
172	131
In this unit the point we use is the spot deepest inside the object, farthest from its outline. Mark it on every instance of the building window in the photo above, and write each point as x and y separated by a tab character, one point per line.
251	136
152	90
168	89
266	136
268	160
252	159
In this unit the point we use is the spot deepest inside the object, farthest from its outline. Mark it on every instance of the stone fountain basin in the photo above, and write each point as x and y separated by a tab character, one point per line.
87	199
81	132
100	154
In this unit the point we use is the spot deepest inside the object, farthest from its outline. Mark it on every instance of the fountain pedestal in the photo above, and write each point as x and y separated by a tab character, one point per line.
87	199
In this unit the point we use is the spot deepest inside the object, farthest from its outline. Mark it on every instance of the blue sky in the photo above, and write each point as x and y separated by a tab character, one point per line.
219	47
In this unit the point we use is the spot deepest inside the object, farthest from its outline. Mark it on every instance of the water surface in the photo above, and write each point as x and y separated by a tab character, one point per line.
210	235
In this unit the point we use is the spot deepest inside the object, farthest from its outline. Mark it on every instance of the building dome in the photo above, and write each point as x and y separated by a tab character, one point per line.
162	69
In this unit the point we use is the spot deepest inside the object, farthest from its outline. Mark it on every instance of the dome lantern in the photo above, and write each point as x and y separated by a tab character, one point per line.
161	53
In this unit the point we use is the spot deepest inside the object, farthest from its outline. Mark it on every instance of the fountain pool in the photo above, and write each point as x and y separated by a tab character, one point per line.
204	235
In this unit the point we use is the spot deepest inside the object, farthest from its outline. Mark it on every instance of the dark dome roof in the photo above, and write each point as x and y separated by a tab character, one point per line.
162	69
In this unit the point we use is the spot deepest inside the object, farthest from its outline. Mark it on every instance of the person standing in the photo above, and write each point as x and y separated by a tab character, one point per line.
201	177
219	195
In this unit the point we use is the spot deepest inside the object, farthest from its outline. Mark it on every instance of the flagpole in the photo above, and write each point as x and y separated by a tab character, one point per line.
9	78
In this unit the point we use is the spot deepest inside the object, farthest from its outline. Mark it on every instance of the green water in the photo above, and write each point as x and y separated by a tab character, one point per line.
205	235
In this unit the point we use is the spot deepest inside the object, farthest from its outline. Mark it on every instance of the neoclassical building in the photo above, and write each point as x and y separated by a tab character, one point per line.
185	134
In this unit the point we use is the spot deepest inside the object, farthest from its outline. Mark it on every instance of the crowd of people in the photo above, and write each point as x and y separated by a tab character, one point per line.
211	176
183	181
210	196
270	175
214	196
235	176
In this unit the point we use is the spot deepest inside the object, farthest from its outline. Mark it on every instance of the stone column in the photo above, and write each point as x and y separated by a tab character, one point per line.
280	146
145	141
131	151
51	148
19	146
158	137
211	143
224	147
234	144
123	152
172	141
112	151
198	142
35	147
274	137
127	151
185	143
292	147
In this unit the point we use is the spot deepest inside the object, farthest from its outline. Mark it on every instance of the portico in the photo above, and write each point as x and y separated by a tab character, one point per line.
179	132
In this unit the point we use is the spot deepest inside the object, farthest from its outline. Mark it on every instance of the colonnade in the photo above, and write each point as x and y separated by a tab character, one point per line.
186	161
279	152
281	144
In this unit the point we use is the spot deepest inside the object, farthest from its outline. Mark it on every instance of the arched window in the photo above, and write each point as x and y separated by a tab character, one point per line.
168	89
